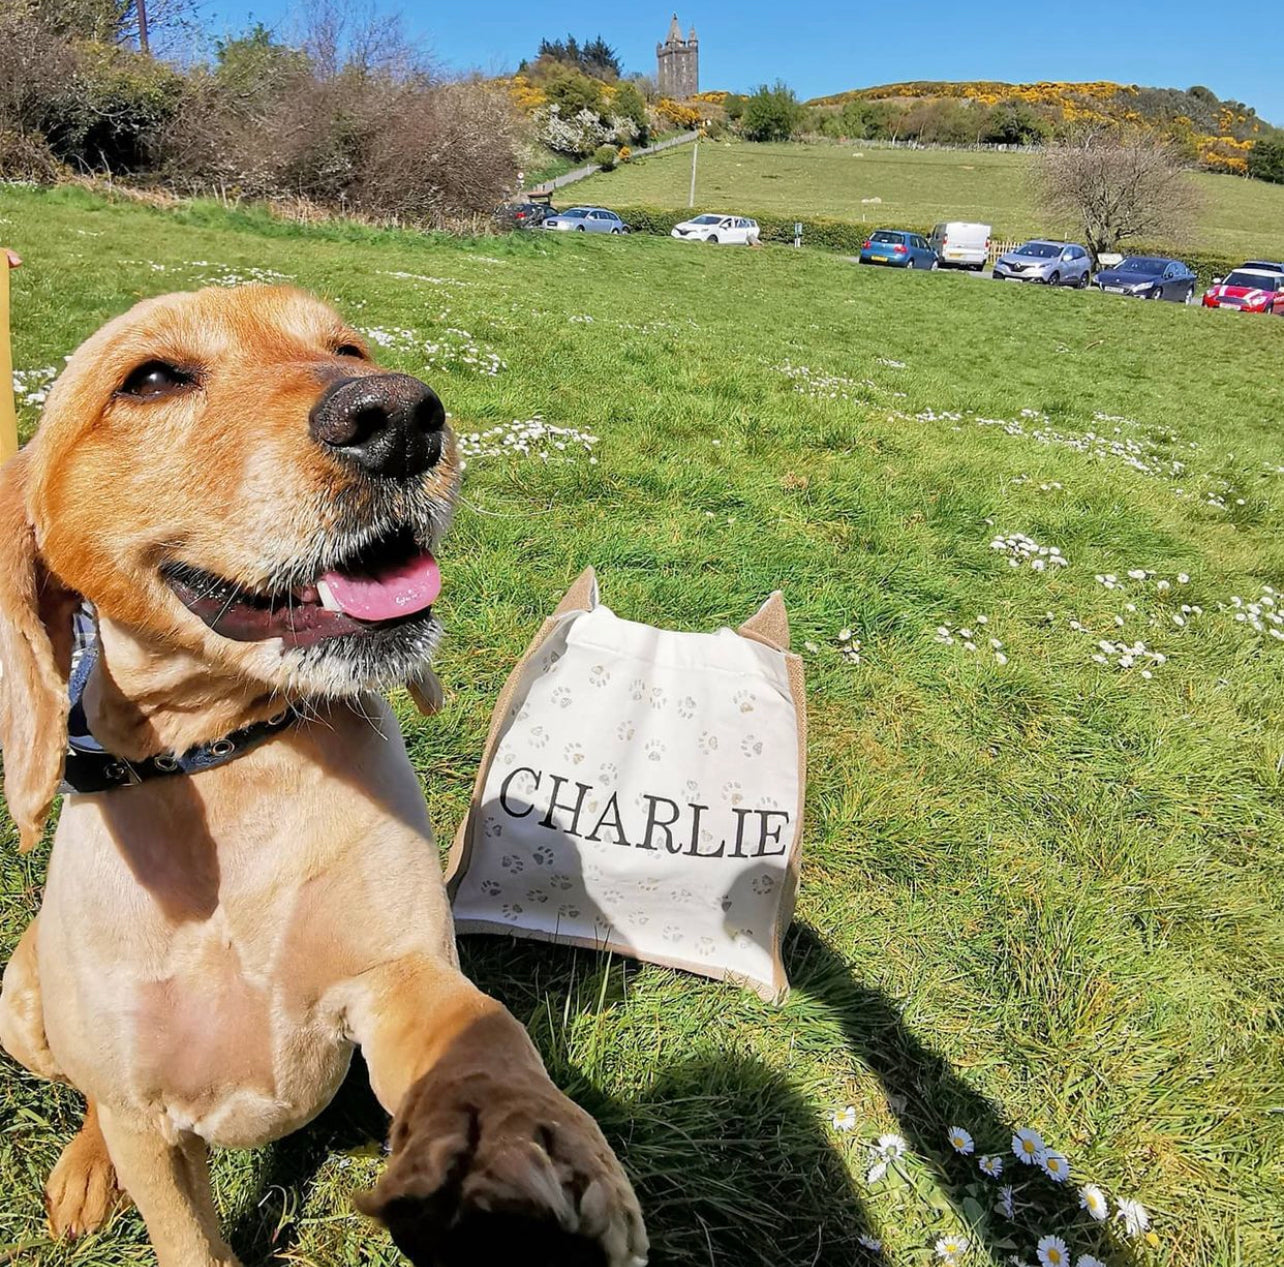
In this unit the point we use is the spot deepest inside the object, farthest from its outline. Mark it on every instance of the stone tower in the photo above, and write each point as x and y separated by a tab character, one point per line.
678	63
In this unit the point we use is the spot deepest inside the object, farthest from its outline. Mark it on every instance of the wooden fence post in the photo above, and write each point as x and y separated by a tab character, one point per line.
8	411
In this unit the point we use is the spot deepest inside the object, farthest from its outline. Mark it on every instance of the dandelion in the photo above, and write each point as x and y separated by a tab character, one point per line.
1053	1252
1133	1215
1092	1199
843	1119
960	1140
1027	1145
951	1248
1054	1164
1006	1205
871	1243
992	1166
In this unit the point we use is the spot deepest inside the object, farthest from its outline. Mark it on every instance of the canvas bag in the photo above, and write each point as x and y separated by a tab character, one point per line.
641	791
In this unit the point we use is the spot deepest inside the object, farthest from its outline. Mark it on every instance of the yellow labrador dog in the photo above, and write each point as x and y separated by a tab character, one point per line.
243	883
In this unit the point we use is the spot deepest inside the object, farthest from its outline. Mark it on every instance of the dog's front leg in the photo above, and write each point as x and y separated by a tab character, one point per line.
170	1184
490	1162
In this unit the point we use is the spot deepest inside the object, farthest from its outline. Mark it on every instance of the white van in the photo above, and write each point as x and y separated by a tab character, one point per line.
962	245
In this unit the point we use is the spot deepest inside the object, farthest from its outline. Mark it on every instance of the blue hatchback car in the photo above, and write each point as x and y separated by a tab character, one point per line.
898	249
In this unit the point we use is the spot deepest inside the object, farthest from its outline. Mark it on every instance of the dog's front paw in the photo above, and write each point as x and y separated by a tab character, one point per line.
489	1170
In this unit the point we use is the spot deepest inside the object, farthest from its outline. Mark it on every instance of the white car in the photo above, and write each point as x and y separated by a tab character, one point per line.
728	230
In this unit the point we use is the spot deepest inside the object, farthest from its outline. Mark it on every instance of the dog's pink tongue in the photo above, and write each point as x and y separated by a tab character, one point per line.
396	591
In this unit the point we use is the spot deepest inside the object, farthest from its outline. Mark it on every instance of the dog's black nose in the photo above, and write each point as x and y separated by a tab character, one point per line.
390	425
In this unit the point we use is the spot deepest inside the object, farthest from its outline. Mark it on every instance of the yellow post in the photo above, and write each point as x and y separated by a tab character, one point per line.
8	411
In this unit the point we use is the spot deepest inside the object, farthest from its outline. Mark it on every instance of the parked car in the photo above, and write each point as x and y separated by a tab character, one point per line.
1250	288
522	215
898	249
719	229
1052	263
961	244
1149	277
587	220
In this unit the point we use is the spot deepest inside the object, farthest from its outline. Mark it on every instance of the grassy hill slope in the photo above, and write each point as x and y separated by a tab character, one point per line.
916	188
1037	889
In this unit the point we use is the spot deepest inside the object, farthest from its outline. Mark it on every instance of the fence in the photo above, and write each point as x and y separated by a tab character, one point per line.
579	173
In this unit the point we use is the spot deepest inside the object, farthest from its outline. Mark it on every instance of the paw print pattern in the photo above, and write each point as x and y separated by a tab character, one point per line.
708	742
574	753
512	863
625	731
763	884
491	888
751	746
536	895
560	881
543	856
686	708
608	772
705	947
743	938
568	910
672	932
692	789
733	792
725	903
511	910
539	737
658	698
637	689
647	885
639	919
599	675
612	895
523	712
744	701
492	828
561	697
681	897
654	750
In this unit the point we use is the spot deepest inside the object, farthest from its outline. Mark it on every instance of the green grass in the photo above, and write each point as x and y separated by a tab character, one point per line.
916	188
1044	893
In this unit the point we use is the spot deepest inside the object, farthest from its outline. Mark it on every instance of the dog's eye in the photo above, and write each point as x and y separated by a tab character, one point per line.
350	349
155	378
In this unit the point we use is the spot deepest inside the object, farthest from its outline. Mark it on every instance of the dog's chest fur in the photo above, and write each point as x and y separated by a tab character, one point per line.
237	908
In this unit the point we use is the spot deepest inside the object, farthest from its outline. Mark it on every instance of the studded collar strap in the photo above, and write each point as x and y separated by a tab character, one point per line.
91	768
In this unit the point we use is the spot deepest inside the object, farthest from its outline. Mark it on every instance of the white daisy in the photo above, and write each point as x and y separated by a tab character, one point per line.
1027	1145
871	1243
1092	1199
1053	1252
1054	1165
951	1248
843	1119
1134	1216
1087	1260
891	1146
960	1140
1006	1205
876	1171
992	1166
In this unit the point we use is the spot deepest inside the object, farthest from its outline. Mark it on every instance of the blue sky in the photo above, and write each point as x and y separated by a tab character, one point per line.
821	47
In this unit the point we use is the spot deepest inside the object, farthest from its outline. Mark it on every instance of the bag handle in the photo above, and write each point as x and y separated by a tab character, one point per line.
582	596
769	624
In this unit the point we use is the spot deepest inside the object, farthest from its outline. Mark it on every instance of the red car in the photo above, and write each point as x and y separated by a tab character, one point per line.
1252	288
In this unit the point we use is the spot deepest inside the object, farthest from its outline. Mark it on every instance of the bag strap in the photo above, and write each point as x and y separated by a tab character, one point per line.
582	596
769	624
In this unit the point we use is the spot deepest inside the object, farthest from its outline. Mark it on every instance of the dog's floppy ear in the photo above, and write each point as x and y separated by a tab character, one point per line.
35	658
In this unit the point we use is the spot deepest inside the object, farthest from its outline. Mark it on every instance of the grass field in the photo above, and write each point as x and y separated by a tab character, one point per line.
1038	891
916	188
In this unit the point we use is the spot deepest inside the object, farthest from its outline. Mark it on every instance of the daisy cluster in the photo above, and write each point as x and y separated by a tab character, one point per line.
822	386
1022	549
1050	486
848	646
30	387
457	349
423	277
947	636
225	275
1029	1150
533	438
1261	614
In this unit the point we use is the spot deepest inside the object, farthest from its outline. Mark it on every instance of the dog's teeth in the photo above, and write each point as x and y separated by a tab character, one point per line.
327	599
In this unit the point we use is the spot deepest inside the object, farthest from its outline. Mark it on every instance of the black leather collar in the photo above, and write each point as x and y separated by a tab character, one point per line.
91	768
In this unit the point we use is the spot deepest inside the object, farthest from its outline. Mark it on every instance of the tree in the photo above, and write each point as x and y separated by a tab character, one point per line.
628	103
1116	186
772	114
1013	123
1266	159
594	57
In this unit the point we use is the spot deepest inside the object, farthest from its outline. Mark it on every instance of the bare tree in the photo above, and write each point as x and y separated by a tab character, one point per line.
1116	186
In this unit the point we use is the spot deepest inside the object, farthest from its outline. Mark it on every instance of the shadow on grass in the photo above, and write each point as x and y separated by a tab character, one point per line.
733	1166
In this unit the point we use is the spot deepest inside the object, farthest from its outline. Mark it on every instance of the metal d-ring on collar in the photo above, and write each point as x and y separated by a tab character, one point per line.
91	768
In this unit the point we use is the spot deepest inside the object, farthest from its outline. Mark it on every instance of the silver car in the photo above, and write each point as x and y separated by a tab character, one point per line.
1052	263
587	220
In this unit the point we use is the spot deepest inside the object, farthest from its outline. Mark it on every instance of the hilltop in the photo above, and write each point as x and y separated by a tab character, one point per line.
1217	133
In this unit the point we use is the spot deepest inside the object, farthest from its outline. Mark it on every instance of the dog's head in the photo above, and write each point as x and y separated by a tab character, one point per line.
229	474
